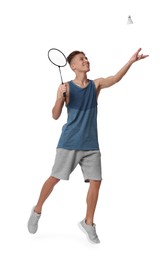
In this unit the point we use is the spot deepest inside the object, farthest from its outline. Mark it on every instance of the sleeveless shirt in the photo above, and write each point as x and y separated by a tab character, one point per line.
80	131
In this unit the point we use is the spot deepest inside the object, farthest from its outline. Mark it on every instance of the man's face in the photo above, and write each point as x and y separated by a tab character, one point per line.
80	63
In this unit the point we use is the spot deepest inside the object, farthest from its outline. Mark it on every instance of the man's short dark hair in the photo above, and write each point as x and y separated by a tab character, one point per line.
72	55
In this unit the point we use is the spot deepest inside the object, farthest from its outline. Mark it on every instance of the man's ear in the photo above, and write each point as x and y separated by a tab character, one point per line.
72	66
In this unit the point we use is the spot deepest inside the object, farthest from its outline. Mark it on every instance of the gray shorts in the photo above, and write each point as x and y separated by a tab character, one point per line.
67	160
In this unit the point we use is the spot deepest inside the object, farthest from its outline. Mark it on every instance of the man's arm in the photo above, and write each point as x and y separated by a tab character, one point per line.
111	80
57	109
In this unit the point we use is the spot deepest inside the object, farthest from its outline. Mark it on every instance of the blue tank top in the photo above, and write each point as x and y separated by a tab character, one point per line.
80	131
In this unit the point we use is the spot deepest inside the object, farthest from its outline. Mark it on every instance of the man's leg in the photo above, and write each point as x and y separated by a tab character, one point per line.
92	197
36	211
87	225
45	192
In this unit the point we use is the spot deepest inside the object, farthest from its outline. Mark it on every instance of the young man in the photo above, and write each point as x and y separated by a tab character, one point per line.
78	143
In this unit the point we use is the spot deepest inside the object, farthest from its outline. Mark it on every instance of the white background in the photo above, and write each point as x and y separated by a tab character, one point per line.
131	215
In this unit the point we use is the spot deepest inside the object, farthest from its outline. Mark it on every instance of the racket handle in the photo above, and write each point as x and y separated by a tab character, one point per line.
64	93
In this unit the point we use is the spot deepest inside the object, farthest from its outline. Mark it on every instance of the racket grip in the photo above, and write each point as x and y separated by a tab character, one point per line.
64	94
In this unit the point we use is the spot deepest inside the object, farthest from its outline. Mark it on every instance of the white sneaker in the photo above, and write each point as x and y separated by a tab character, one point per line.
90	231
33	222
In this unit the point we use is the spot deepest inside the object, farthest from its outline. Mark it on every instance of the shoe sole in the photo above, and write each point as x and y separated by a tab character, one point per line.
84	231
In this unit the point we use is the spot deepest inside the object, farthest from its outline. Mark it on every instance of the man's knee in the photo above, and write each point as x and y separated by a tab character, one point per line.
54	180
95	183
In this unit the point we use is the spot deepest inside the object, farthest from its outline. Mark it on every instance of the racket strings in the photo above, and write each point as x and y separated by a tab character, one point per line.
57	57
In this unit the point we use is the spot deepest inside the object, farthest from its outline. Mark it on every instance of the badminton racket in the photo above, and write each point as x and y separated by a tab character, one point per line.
58	58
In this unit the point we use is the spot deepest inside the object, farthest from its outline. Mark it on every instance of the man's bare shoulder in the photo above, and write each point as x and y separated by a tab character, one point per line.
97	82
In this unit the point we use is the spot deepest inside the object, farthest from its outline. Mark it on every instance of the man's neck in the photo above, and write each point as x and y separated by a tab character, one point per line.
81	80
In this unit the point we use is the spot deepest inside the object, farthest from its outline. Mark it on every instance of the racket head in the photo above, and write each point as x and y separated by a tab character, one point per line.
57	57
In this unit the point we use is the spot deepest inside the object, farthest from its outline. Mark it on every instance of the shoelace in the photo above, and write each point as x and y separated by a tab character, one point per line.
35	219
93	234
